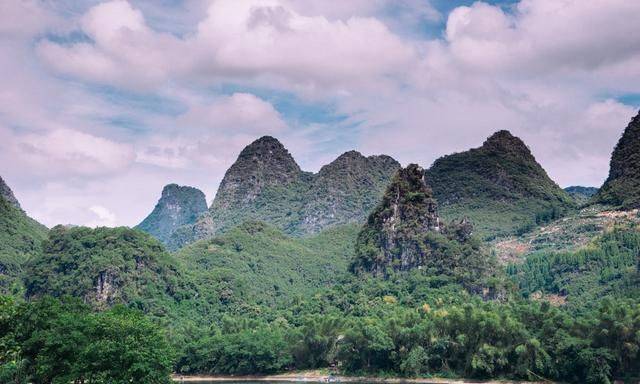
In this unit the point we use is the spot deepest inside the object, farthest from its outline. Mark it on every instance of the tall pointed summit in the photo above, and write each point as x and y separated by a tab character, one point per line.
622	187
405	232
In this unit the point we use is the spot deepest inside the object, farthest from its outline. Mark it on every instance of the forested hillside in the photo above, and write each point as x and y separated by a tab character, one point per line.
402	293
622	187
20	238
499	186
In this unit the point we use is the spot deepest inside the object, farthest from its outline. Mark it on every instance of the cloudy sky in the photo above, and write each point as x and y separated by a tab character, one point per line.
103	103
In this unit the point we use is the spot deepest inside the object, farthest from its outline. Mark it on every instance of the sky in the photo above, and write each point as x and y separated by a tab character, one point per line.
104	102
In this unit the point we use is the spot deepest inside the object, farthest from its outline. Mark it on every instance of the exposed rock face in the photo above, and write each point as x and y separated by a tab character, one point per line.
405	233
392	236
177	206
7	194
499	186
264	163
266	184
346	190
622	188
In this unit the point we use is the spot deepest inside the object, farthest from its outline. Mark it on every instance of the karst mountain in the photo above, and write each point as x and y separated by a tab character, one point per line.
622	187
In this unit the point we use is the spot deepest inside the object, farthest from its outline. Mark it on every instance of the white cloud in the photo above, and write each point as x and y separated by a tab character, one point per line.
240	112
104	217
237	38
544	35
64	152
544	69
124	51
24	18
210	133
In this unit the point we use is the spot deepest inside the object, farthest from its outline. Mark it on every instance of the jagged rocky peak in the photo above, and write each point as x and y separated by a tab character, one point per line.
503	141
7	194
392	238
265	162
622	187
405	233
178	206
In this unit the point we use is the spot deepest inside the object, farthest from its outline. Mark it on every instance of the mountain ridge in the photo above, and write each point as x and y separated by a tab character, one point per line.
266	184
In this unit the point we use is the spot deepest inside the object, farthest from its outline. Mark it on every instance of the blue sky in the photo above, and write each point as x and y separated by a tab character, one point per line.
105	102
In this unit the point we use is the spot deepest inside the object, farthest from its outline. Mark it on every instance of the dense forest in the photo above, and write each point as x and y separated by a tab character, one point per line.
407	324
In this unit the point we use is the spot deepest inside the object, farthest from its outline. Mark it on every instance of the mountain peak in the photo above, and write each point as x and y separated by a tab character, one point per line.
622	187
178	206
500	186
389	239
264	144
504	141
174	190
346	190
7	194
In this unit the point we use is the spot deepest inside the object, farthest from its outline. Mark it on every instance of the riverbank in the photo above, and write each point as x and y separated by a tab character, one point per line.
316	377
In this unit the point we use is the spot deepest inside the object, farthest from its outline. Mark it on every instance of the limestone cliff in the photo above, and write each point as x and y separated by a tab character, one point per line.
406	233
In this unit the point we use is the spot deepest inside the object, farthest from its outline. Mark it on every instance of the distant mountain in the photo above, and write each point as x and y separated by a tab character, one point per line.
106	266
20	238
177	206
266	184
406	233
622	187
500	187
581	195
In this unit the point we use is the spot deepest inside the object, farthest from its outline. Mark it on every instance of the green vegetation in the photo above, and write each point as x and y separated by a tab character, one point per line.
500	187
266	184
111	305
607	267
418	325
106	266
622	188
257	301
258	264
404	232
51	341
20	239
581	195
